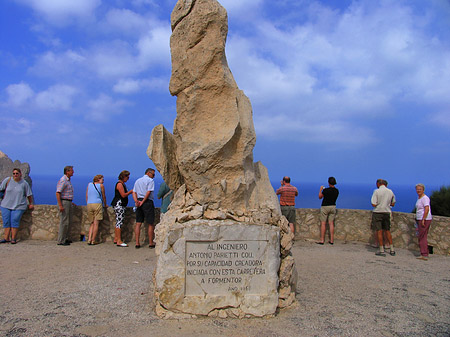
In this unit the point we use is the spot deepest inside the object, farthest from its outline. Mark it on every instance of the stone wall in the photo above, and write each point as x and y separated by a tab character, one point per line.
351	225
43	224
354	225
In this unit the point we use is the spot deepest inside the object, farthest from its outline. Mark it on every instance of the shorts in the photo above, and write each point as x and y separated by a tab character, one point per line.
94	212
327	212
11	217
381	221
146	212
289	213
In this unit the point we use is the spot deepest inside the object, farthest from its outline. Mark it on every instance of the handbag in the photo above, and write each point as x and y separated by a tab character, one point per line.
3	192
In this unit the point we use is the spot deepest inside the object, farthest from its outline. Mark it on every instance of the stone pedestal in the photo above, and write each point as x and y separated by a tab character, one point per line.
204	265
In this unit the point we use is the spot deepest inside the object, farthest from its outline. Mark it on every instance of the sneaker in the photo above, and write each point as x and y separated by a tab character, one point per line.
392	253
380	254
123	244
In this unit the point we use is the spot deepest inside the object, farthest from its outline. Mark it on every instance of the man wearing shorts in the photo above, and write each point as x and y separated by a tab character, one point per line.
145	209
382	201
328	209
287	194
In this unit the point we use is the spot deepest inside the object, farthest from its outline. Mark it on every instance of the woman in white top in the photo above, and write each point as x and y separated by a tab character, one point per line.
423	219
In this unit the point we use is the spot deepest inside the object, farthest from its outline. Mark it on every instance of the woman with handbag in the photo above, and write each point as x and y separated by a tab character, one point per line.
96	200
120	203
14	204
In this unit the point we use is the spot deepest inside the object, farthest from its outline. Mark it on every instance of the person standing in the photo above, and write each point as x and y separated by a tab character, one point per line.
120	203
14	204
64	197
164	193
382	201
96	201
328	209
145	210
287	194
423	219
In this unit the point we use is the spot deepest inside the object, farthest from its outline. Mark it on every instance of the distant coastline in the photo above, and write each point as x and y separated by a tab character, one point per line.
352	196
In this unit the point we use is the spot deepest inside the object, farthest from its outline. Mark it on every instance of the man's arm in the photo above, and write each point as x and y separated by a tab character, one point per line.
58	199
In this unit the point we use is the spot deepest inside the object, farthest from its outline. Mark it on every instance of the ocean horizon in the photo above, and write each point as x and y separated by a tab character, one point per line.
351	196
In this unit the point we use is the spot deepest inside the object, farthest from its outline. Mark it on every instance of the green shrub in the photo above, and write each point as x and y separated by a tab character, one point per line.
440	201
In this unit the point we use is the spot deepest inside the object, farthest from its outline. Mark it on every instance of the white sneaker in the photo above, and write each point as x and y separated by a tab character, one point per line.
123	244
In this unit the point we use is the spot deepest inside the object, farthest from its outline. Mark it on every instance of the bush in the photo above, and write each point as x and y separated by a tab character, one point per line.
440	202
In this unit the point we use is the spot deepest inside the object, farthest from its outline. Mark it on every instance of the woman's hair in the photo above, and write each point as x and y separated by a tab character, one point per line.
421	185
123	174
97	178
332	181
17	169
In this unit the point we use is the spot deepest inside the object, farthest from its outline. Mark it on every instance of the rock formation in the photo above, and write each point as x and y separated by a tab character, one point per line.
7	165
208	161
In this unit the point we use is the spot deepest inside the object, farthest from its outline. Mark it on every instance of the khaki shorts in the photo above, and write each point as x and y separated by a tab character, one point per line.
327	212
94	212
289	213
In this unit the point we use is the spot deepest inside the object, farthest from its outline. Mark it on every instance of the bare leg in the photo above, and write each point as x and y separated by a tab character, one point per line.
151	235
137	232
331	232
95	230
388	237
323	228
118	236
380	240
7	234
291	226
90	233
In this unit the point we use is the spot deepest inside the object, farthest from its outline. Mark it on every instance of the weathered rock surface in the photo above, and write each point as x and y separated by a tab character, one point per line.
221	195
7	165
211	149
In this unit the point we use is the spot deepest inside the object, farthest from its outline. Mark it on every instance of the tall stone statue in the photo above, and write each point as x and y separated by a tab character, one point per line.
223	200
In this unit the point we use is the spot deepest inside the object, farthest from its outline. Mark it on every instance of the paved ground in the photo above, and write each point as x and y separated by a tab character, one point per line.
103	290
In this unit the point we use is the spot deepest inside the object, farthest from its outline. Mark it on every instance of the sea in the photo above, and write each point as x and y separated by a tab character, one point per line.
351	196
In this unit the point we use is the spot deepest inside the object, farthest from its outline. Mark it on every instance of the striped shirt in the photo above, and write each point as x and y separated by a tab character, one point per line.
287	195
65	187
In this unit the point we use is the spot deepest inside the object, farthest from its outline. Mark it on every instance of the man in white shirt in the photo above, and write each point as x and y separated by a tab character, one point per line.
145	210
382	201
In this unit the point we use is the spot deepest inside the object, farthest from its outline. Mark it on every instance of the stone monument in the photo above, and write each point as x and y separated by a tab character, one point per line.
7	165
223	247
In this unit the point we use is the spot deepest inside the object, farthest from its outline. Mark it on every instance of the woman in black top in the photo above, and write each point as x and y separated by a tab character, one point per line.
120	203
328	209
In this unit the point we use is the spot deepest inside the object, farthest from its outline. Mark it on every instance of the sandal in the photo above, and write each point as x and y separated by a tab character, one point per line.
137	246
13	241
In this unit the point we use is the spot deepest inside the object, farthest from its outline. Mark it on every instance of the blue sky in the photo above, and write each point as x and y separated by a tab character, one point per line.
359	90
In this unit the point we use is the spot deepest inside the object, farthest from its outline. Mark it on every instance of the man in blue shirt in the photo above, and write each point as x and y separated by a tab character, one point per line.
145	209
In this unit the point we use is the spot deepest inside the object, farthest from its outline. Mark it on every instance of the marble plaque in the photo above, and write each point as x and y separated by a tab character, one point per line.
226	267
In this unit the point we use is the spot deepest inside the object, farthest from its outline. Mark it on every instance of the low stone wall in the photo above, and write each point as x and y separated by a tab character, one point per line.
351	225
43	224
354	225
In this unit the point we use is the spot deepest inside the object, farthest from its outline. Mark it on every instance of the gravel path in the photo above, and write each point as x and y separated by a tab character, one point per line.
104	290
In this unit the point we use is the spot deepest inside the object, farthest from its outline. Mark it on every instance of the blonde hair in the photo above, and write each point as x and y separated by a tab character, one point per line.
97	178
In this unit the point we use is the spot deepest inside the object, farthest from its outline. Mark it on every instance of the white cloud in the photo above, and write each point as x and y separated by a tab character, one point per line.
16	126
61	12
126	21
104	106
59	64
57	97
19	94
354	63
131	86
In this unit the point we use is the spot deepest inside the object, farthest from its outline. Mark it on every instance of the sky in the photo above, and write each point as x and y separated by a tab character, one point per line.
358	90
